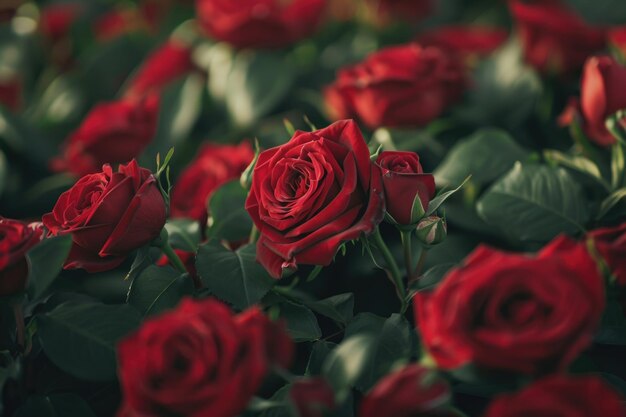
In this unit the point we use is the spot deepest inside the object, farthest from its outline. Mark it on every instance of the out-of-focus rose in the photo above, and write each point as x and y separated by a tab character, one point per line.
554	38
16	238
198	360
513	312
560	396
610	242
109	214
399	86
57	19
313	193
118	22
260	23
113	132
312	397
467	41
617	39
409	10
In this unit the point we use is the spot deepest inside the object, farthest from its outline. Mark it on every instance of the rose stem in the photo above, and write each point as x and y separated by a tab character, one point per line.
394	271
19	324
173	258
408	254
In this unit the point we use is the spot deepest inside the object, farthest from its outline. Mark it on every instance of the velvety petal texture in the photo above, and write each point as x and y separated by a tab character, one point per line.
109	214
16	238
198	360
514	312
312	194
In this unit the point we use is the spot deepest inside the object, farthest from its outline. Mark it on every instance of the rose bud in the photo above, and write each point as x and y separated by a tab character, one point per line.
398	86
109	215
16	238
610	242
601	95
467	41
312	397
198	360
511	312
412	391
408	190
554	38
113	132
432	230
260	23
213	166
560	396
312	194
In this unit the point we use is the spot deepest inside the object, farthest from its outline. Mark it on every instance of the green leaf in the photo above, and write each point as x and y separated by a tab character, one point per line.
535	203
302	324
611	202
81	338
233	276
257	83
436	202
46	261
605	12
339	308
577	164
618	166
319	351
229	219
157	289
485	155
24	138
431	278
56	405
613	325
183	234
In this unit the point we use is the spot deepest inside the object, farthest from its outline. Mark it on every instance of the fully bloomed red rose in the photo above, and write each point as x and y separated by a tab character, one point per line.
113	132
109	214
560	396
610	242
259	23
213	166
198	360
514	312
312	194
312	397
410	392
404	181
468	41
16	238
399	86
554	38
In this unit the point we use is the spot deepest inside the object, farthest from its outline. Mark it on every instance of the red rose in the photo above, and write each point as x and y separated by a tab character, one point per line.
560	396
312	397
404	181
468	41
197	360
513	312
410	392
109	215
11	93
312	194
259	23
16	238
610	242
112	132
411	10
213	166
554	38
57	19
403	86
169	62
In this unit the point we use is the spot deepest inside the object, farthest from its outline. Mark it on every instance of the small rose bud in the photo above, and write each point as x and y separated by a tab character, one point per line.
432	230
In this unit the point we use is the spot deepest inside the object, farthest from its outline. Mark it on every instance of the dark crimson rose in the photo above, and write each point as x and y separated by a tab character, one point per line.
560	396
198	360
213	166
554	38
410	10
399	86
617	39
312	397
109	214
313	193
513	312
468	41
259	23
11	93
410	392
404	181
57	19
16	238
113	132
601	95
610	242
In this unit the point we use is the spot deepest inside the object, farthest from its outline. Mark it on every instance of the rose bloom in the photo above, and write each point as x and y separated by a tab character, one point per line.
16	238
259	23
467	41
312	397
199	360
560	396
113	132
404	180
513	312
553	37
109	214
412	391
610	242
399	86
213	166
312	194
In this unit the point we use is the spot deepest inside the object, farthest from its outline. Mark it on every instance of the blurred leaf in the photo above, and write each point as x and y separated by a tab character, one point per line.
218	60
158	289
613	201
233	276
63	102
535	203
319	351
601	13
302	324
431	278
81	338
576	163
183	234
339	308
24	139
46	261
344	366
228	218
436	202
55	405
4	171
